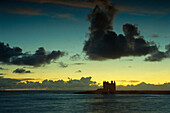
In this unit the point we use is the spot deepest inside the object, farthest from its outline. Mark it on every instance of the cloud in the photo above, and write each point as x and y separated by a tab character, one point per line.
6	83
105	44
68	16
41	57
159	55
79	71
1	68
85	83
155	36
28	11
93	3
15	56
63	65
130	81
145	86
21	71
126	60
75	57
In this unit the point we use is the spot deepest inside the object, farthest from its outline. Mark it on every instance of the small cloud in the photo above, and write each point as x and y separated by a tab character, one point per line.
75	57
129	66
21	71
28	11
155	36
63	65
130	81
1	68
79	71
67	16
78	64
134	81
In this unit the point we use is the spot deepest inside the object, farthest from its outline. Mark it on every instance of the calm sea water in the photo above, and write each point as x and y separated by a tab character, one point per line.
66	102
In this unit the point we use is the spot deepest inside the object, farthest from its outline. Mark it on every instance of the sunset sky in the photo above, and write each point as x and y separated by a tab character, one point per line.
61	27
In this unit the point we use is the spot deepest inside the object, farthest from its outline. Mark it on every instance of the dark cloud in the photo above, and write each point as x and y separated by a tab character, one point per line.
159	55
79	71
21	71
75	57
104	44
6	52
15	56
155	36
63	65
85	83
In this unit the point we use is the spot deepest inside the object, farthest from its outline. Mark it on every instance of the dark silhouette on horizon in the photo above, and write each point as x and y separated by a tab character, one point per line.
110	88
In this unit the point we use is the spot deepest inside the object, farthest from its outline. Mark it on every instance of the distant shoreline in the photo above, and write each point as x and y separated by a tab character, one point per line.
126	92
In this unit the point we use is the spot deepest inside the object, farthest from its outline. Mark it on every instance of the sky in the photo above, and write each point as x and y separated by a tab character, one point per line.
69	40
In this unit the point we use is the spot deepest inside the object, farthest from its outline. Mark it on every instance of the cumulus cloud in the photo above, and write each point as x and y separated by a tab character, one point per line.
75	57
104	44
63	65
15	56
85	83
21	71
159	55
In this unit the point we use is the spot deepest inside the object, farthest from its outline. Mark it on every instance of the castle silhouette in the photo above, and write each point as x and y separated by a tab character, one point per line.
109	87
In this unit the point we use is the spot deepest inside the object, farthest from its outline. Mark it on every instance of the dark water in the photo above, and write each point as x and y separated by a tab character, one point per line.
66	102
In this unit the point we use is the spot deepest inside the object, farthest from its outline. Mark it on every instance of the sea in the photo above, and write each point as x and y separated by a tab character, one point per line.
68	102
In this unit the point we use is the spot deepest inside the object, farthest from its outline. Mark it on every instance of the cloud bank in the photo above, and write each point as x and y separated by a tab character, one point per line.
15	56
85	83
145	86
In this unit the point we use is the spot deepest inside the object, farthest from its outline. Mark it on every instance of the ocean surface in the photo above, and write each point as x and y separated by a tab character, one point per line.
67	102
